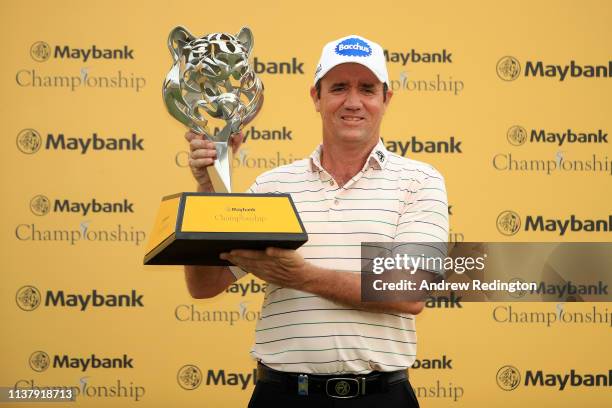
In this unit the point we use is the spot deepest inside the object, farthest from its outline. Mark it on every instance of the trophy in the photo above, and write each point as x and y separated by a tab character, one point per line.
213	90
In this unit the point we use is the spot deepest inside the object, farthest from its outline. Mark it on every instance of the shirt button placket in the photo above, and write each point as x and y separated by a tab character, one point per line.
328	186
333	193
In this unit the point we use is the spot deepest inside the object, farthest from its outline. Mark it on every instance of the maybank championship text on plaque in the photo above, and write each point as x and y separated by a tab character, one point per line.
194	228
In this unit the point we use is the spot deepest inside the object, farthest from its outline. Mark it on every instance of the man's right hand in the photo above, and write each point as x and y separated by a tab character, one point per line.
206	281
202	153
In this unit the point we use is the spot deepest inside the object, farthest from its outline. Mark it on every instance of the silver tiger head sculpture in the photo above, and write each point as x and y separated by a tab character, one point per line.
211	87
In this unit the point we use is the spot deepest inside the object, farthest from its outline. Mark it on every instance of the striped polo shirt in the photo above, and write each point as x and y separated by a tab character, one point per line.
392	199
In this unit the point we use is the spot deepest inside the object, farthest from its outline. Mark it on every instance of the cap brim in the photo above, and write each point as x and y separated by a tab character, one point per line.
324	72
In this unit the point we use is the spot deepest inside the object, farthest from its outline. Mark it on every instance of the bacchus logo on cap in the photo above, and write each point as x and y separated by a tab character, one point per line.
353	47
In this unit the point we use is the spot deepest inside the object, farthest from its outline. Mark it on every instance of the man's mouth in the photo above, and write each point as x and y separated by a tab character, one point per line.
351	118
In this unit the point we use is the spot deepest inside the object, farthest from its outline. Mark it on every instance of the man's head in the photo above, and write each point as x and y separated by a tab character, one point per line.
351	90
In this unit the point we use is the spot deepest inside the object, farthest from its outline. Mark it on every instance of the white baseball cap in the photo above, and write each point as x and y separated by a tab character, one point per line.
353	48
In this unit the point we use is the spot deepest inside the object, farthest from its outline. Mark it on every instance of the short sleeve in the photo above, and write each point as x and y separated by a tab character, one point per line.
423	225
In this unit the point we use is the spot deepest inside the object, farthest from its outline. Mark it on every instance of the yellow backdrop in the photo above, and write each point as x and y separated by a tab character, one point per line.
88	150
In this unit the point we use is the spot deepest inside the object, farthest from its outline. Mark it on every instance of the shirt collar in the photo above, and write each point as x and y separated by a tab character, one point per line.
378	158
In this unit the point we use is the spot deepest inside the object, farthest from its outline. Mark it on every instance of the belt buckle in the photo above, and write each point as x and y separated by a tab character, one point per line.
342	387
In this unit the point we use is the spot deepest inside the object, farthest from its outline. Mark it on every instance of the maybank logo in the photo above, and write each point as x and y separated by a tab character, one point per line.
509	223
292	67
98	76
41	205
416	145
249	287
572	70
442	363
509	69
518	135
40	361
413	56
40	51
519	293
570	289
29	298
573	223
509	378
29	141
452	301
189	377
353	47
253	133
257	134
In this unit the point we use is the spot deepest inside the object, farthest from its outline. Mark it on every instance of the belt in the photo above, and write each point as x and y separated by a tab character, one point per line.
334	386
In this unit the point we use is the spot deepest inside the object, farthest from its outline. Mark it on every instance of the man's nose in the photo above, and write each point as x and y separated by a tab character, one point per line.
353	100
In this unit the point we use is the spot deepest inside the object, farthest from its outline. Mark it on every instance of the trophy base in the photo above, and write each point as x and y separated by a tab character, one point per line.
186	250
194	228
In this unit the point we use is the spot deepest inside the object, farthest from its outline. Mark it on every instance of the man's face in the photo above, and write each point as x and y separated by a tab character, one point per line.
351	104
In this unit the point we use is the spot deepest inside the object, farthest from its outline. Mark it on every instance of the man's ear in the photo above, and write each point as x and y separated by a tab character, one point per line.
315	98
388	96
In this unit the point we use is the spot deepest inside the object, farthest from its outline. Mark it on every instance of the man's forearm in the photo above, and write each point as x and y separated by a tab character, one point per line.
207	187
345	288
207	281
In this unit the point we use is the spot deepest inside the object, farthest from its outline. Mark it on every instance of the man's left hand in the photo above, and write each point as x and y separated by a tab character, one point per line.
283	267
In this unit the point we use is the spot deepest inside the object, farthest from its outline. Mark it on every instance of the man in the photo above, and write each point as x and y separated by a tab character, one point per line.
317	343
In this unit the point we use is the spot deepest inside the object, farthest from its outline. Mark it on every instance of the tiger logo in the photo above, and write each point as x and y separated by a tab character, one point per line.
211	83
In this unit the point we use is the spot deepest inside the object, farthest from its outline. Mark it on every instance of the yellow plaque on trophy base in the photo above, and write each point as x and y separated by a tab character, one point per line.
194	228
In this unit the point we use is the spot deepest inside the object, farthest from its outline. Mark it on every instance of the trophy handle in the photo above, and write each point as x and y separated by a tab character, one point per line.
220	173
177	39
245	36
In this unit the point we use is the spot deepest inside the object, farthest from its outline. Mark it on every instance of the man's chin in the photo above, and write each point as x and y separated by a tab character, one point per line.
355	137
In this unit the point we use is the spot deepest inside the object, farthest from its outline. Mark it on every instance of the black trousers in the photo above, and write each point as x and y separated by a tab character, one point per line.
268	394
